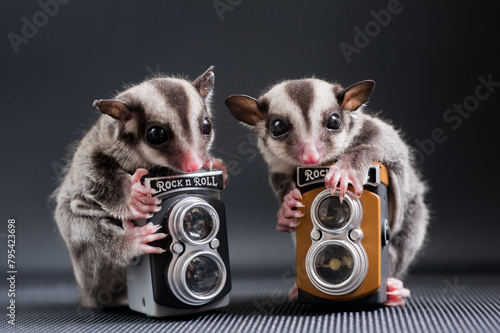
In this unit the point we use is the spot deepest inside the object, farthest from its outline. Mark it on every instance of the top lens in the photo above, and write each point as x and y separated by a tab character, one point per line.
332	214
193	221
198	223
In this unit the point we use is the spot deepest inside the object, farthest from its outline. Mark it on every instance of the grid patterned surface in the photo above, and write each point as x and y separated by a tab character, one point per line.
439	303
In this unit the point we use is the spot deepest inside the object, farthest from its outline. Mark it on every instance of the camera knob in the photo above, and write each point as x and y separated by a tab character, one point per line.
386	233
356	235
315	235
214	243
177	248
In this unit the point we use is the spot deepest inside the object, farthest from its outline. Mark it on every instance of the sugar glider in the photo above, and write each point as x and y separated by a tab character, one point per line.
311	121
164	121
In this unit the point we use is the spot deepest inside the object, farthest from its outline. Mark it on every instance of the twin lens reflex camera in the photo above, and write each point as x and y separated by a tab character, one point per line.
342	247
193	274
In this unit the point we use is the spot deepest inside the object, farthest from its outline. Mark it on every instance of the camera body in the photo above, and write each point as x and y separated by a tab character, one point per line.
193	275
342	248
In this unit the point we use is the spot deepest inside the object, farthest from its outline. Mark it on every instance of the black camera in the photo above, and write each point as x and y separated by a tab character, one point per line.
193	275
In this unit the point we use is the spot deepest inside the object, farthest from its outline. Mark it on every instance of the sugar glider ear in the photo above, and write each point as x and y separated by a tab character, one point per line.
356	95
114	108
205	82
245	108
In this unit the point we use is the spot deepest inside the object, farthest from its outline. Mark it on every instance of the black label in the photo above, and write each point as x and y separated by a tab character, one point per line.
206	180
312	175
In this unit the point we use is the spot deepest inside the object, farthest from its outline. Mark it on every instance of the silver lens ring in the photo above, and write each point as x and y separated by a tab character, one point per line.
355	209
356	277
179	285
185	207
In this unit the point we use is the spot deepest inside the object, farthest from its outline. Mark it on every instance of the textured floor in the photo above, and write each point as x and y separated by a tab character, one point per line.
439	303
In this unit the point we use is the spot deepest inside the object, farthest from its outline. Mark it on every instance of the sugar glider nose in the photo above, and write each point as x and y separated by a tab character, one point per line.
309	154
191	162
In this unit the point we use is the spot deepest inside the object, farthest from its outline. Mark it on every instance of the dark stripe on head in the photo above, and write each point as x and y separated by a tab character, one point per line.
127	138
137	109
264	105
338	91
176	96
302	93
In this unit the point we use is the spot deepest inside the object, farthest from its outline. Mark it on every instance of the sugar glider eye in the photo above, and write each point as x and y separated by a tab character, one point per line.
206	126
278	128
333	122
156	135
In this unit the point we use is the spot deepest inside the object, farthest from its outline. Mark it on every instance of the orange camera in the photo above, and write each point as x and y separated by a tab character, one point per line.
342	248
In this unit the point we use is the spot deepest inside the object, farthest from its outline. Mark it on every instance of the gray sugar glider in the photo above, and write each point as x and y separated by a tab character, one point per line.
311	121
161	122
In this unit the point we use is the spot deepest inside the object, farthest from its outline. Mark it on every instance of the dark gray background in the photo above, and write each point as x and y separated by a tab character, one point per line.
426	59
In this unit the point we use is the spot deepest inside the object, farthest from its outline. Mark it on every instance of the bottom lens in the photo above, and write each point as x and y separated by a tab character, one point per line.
336	267
334	264
197	278
203	276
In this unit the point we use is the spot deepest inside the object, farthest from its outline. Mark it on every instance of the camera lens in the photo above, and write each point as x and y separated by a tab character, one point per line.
332	214
334	264
193	221
197	278
336	267
334	217
203	276
198	223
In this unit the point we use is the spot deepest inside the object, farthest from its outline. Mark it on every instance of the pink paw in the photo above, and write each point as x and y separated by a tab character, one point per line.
141	204
338	178
288	213
396	293
144	235
293	293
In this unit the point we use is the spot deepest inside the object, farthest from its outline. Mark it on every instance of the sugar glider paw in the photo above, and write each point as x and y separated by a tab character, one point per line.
141	236
288	213
396	292
338	178
140	203
293	293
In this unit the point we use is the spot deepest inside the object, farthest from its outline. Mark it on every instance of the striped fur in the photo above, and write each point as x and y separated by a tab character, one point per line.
305	105
92	198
